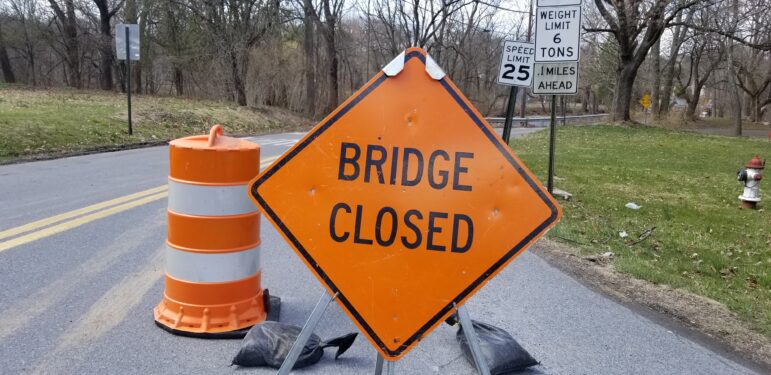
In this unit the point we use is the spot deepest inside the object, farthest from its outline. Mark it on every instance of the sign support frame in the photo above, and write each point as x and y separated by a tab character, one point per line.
305	333
390	366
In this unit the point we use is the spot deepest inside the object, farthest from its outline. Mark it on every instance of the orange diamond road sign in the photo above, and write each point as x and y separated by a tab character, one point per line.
404	201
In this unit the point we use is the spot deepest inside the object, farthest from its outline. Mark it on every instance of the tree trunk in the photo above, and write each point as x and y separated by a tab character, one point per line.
656	89
105	65
31	61
136	68
678	34
756	108
734	89
333	71
690	112
666	92
179	81
585	100
131	16
238	82
5	62
69	26
310	59
622	98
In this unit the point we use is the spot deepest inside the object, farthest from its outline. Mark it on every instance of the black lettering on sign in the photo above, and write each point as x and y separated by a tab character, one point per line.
332	221
357	228
413	165
510	69
432	229
346	160
443	174
456	185
379	226
406	181
469	229
377	163
394	165
414	228
389	224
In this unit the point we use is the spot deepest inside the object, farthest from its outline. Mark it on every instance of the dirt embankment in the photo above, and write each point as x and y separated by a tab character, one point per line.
698	313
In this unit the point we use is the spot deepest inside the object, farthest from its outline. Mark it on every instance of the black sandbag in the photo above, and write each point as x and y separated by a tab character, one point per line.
268	344
502	353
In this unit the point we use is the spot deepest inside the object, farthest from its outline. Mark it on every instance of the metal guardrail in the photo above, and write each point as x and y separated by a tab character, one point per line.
542	121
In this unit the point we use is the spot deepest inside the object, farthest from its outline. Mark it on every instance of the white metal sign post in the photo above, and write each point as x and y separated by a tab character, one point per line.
557	50
516	70
127	48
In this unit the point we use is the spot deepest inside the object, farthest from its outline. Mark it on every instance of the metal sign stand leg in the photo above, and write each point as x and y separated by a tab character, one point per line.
389	366
305	333
379	365
473	341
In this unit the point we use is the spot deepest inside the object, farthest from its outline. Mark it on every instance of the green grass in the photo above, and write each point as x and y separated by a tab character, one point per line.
686	185
48	122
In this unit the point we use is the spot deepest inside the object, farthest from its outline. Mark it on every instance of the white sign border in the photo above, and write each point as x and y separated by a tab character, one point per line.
578	77
568	2
532	65
121	52
580	24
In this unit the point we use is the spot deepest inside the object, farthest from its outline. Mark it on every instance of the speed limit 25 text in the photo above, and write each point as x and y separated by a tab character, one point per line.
517	56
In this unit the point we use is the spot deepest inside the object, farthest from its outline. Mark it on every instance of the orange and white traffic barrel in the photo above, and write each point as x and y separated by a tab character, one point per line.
213	246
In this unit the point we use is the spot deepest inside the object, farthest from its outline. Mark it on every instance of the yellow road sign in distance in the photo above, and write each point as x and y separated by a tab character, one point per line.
645	101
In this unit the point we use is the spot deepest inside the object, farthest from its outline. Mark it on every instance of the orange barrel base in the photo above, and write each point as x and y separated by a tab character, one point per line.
211	313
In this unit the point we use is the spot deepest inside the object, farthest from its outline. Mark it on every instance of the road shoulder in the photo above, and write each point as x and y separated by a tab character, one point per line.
702	319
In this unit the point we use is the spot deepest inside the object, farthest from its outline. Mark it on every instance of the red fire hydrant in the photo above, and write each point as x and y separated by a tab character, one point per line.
751	176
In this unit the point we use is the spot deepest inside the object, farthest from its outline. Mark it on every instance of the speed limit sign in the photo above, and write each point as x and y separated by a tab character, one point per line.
516	64
557	33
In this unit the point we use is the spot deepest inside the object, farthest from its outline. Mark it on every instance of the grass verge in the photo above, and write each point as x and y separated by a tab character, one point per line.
35	123
686	185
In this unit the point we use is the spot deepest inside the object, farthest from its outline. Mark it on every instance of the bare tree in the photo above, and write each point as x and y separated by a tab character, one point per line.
635	25
106	13
309	50
655	54
5	62
327	20
679	33
705	55
26	14
67	23
238	26
734	85
173	35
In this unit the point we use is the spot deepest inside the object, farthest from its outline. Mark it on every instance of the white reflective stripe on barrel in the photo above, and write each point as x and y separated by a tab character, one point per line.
212	267
209	200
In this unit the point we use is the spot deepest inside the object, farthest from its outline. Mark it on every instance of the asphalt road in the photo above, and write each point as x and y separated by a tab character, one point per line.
78	293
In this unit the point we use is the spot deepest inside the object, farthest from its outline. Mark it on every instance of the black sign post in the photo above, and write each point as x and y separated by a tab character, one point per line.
509	114
128	80
552	138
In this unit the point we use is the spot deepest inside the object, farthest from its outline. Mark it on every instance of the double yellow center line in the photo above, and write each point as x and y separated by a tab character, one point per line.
75	218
